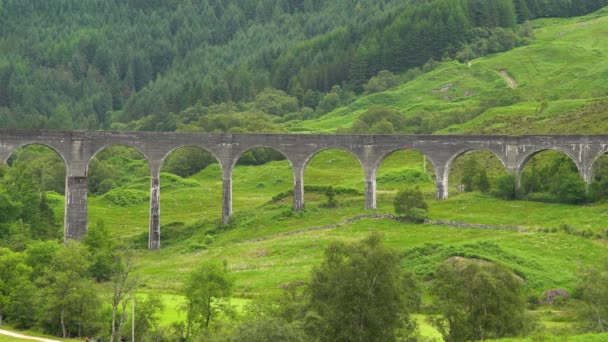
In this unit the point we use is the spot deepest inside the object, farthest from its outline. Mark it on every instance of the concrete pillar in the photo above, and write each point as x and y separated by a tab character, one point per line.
370	188
442	182
154	232
298	188
75	217
227	196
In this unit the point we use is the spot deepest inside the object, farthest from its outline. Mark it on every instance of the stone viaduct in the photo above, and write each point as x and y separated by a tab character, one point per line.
77	148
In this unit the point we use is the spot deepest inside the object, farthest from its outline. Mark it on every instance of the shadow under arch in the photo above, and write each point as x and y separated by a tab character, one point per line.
402	168
41	170
475	169
118	177
190	185
261	174
332	166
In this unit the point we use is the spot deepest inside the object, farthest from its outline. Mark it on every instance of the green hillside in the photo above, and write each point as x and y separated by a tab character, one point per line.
561	88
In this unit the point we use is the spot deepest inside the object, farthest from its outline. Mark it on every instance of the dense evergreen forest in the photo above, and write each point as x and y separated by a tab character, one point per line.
91	64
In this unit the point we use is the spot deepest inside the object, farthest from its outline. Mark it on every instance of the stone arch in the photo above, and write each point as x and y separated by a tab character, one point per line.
202	200
163	160
387	154
472	149
452	160
362	169
385	184
526	158
10	153
68	233
241	152
316	152
133	224
283	179
104	147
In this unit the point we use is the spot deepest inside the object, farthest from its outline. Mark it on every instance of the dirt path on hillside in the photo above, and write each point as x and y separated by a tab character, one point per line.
511	82
12	334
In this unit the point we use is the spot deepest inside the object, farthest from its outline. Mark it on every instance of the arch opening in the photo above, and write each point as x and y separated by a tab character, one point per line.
403	169
552	176
336	168
118	186
32	187
598	186
476	171
191	189
261	175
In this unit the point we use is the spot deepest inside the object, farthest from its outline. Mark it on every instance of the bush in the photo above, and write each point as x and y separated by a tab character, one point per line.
410	203
478	301
127	197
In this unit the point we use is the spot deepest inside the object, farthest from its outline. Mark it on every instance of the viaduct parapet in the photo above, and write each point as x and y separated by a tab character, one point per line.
78	148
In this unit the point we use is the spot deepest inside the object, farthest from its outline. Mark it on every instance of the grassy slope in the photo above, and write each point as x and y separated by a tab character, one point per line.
564	67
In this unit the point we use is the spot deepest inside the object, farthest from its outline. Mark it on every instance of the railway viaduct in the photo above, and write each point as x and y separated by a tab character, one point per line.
78	148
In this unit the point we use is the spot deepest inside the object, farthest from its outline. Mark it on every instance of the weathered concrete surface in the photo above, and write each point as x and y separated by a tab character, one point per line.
77	148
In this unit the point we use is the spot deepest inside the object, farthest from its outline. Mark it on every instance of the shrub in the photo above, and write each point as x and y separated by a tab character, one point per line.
127	197
410	203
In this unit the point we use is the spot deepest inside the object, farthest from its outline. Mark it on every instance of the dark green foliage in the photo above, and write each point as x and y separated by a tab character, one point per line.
331	198
97	63
411	204
101	245
405	176
506	187
478	301
127	197
553	177
379	120
471	169
592	290
360	293
187	161
268	329
483	182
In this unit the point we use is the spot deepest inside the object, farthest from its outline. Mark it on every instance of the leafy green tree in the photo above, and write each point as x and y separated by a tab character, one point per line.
101	246
483	182
411	204
592	290
69	295
568	186
13	272
147	317
469	174
122	284
506	187
206	289
478	301
360	293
